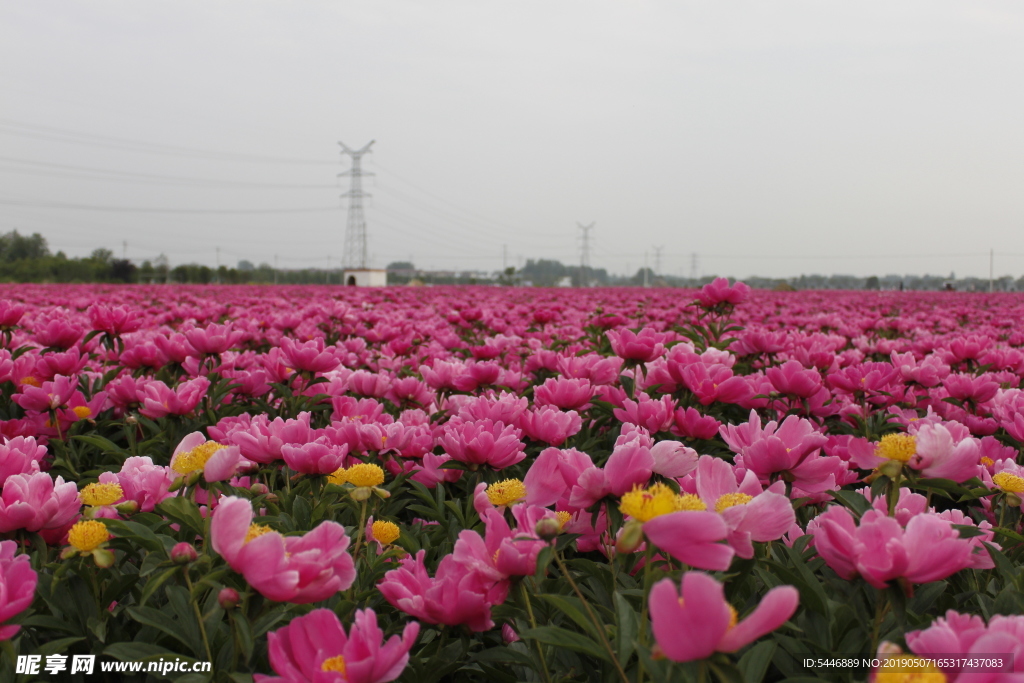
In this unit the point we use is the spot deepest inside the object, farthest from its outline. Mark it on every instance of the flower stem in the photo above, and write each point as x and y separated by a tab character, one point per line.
533	624
598	626
199	615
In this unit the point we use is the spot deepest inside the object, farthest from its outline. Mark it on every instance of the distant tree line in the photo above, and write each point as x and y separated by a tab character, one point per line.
27	258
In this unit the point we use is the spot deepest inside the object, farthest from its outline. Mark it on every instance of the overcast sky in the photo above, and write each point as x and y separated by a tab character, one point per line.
768	138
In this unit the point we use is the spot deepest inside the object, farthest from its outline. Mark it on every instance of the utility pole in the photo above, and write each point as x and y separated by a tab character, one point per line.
585	254
504	258
657	260
275	269
355	231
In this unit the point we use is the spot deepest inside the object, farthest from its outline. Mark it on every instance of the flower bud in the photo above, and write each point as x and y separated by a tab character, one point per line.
630	538
361	493
891	468
259	489
131	420
193	478
548	528
103	558
228	598
1012	499
129	507
176	484
183	553
508	634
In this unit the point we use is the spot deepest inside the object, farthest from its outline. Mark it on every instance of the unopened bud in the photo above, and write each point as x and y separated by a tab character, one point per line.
630	538
548	528
103	557
259	489
891	468
361	493
193	477
132	420
1013	499
508	634
176	484
381	493
183	553
228	598
129	507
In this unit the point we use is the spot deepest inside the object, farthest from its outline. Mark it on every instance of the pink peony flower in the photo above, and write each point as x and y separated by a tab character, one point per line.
17	586
314	648
20	455
36	502
297	569
456	595
696	621
142	481
482	442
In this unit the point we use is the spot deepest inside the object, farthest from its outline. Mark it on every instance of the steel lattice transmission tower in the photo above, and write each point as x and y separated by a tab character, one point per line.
585	253
355	231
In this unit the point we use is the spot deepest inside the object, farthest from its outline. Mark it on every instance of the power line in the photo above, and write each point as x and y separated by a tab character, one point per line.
53	134
150	209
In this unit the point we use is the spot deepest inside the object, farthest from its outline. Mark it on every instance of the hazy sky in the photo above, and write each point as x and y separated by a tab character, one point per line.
769	138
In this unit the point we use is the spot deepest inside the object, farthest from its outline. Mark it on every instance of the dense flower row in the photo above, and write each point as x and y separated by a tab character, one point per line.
512	485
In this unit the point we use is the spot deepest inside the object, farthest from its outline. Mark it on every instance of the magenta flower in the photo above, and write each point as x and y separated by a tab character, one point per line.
879	550
643	347
693	537
718	291
553	474
550	425
216	461
213	339
690	423
17	586
564	393
298	569
309	356
696	621
142	481
792	379
456	595
315	649
20	455
750	513
968	634
482	442
315	457
49	396
160	400
114	320
36	502
653	415
939	456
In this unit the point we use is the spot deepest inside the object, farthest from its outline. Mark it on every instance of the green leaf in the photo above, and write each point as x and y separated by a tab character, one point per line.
162	622
755	662
572	608
184	512
58	646
505	655
628	627
301	512
560	637
154	584
141	652
968	530
852	500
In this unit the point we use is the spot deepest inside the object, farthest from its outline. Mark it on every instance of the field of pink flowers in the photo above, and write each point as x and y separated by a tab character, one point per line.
493	484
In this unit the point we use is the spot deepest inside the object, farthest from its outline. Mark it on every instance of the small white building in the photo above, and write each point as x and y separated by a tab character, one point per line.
366	277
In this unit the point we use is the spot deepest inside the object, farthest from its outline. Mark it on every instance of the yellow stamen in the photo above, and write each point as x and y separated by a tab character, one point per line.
691	503
901	447
987	461
337	476
82	412
32	382
563	517
909	669
731	499
256	530
195	459
1010	483
365	474
334	664
733	616
385	532
101	494
87	536
646	504
506	492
